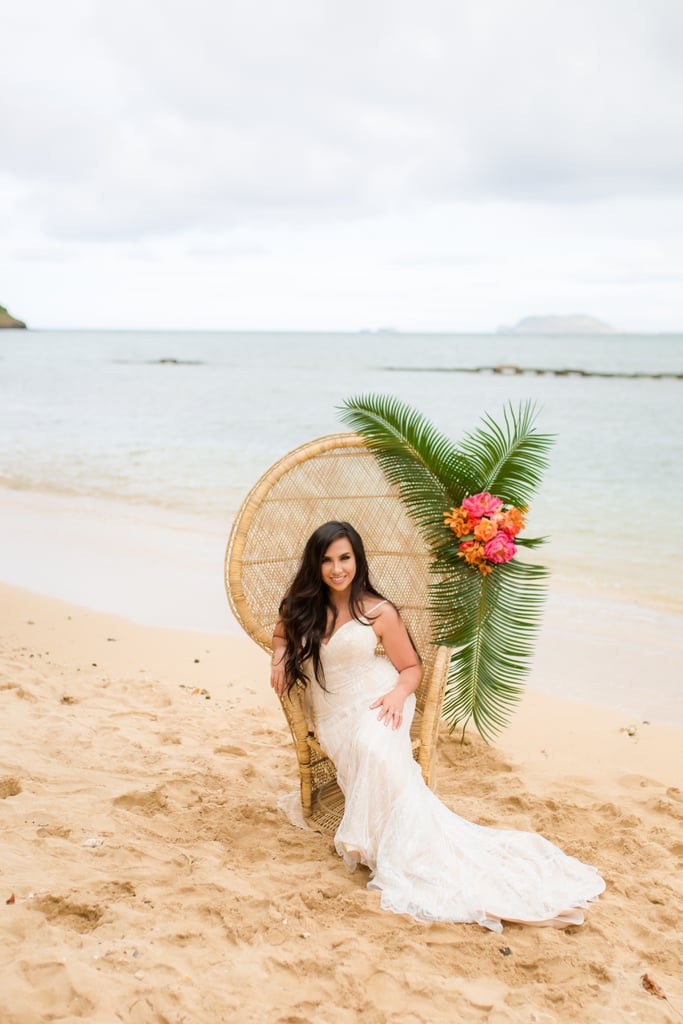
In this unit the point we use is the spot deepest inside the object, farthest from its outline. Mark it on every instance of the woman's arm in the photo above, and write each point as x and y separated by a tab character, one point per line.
277	672
393	634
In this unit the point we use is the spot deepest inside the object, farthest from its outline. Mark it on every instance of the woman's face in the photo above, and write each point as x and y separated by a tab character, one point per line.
339	566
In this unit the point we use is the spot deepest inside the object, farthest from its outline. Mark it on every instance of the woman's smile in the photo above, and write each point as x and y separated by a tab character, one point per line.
338	567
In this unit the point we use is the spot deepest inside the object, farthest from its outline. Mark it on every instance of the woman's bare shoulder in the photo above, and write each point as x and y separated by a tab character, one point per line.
379	609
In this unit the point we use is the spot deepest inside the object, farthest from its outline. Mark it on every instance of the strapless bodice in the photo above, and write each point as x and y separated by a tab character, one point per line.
353	671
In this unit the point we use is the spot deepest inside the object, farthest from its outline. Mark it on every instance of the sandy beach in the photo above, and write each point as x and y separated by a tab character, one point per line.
147	875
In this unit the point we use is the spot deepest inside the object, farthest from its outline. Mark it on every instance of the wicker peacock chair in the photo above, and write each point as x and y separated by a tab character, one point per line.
334	477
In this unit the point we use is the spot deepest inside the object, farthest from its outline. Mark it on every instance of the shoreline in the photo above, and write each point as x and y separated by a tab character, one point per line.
165	569
152	872
89	524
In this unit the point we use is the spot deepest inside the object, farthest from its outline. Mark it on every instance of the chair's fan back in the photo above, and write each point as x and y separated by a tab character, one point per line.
335	477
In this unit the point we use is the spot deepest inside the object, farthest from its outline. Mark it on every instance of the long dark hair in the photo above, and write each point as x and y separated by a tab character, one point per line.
305	606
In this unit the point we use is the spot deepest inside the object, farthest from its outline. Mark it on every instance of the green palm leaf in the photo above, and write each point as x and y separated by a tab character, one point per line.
508	460
490	621
495	646
424	464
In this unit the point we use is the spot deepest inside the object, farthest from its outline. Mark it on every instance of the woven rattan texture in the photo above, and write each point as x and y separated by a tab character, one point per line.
328	808
333	478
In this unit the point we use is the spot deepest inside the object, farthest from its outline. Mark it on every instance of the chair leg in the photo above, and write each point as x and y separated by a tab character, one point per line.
431	716
292	706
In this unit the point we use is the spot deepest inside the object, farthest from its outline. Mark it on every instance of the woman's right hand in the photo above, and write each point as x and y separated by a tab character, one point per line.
278	680
277	674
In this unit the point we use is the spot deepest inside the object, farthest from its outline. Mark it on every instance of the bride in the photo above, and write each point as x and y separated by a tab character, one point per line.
424	859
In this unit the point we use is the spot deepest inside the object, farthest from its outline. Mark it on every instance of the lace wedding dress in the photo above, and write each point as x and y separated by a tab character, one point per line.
424	859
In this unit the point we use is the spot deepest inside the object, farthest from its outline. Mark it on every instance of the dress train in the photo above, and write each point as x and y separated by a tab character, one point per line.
424	859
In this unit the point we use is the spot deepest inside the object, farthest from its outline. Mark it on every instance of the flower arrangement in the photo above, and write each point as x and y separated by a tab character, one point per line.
486	480
486	529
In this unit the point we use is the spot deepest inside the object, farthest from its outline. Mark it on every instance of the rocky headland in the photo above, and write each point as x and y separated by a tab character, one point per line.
6	320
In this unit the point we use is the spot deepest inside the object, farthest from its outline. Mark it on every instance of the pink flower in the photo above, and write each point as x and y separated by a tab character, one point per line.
483	504
501	549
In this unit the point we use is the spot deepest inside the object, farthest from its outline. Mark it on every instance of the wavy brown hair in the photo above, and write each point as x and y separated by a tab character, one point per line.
305	606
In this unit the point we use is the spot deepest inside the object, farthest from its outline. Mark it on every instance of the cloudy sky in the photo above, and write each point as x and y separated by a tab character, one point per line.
338	164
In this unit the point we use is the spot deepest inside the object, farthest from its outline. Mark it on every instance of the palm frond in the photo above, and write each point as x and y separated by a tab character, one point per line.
495	646
508	460
414	455
490	621
454	598
530	542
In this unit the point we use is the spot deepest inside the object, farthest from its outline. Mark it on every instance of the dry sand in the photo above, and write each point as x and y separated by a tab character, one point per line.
155	881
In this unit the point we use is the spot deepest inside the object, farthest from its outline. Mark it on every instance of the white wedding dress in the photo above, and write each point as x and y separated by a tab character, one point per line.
424	859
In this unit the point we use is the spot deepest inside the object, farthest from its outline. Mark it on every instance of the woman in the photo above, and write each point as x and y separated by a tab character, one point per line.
423	858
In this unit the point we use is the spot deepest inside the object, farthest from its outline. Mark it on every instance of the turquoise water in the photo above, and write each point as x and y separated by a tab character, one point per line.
96	414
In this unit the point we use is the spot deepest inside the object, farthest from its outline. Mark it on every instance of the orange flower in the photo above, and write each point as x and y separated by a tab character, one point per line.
473	553
486	530
459	521
511	521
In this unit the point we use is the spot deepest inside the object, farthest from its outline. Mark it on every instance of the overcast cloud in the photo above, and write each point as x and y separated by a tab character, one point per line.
429	164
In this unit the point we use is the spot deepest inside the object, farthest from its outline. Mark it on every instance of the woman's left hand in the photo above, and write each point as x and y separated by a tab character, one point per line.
390	708
398	647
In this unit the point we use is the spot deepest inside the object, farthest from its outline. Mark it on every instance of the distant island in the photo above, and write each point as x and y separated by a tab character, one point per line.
578	323
379	330
9	321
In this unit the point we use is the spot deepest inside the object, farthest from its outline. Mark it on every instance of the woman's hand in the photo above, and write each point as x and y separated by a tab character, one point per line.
391	707
277	674
399	649
278	679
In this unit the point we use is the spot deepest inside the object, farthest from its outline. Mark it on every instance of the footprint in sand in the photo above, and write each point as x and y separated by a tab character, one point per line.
631	780
518	803
81	917
9	786
115	891
56	831
20	692
667	806
149	802
50	977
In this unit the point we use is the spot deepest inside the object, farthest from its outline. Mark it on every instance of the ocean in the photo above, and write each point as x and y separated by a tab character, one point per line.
125	455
